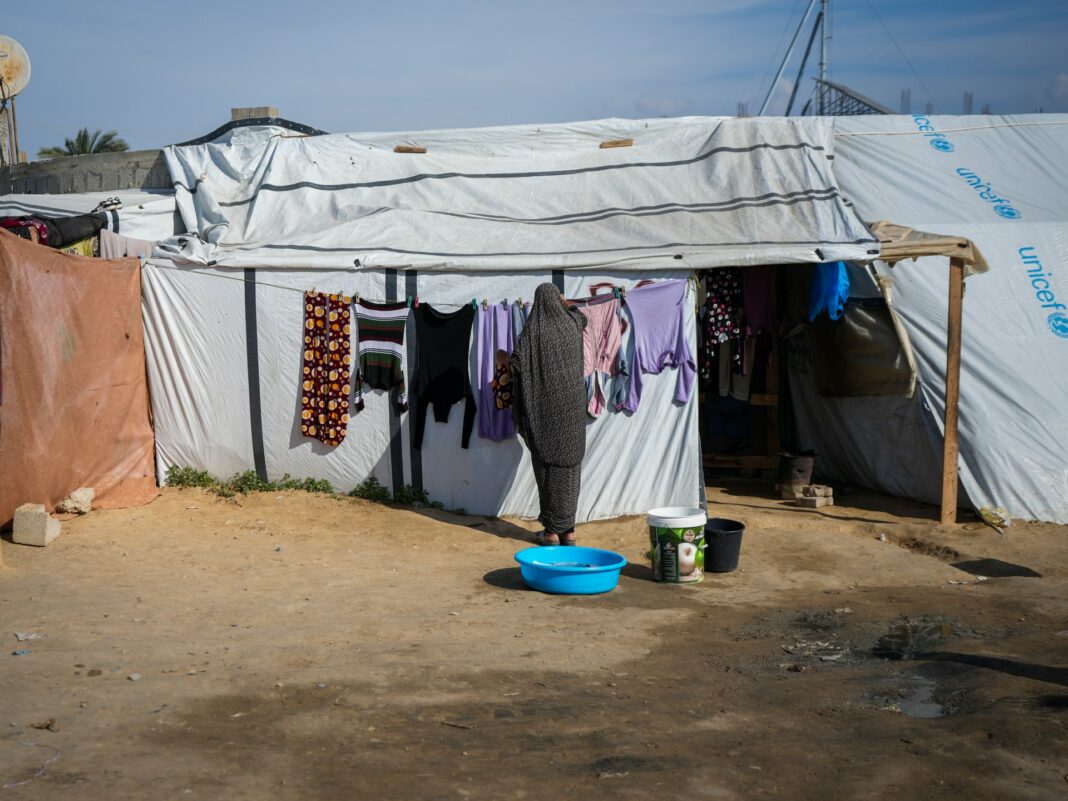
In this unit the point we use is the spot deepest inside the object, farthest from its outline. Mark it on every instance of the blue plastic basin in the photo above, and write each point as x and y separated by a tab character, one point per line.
570	570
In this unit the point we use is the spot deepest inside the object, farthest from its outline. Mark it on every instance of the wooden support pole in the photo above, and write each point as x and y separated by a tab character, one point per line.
950	446
409	149
617	143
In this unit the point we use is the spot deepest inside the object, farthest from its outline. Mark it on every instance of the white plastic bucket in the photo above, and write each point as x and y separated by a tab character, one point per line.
677	543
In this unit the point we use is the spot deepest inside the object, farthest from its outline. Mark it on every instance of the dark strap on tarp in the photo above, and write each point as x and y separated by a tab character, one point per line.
415	456
558	279
252	353
396	447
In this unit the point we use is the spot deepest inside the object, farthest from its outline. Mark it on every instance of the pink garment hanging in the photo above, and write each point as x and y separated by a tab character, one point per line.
602	357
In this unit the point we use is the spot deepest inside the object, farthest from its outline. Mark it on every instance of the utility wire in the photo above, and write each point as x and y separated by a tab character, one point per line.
774	53
951	130
923	85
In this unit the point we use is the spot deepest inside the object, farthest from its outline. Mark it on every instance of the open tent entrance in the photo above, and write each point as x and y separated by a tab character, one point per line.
800	360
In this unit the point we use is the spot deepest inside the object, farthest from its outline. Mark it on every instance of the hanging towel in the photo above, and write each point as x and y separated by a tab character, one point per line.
325	387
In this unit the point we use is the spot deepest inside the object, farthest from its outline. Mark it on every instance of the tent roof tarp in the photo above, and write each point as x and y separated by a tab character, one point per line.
693	193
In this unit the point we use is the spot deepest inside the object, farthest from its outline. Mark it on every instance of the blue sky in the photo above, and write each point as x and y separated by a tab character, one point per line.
165	72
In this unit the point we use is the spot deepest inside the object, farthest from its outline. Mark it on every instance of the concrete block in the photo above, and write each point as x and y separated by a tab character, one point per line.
79	502
792	494
814	502
34	526
818	491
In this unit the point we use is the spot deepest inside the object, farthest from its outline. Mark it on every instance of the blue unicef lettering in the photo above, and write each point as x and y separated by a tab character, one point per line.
935	138
1002	206
1058	324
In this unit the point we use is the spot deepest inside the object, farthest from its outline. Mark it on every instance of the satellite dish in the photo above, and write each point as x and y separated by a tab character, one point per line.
14	67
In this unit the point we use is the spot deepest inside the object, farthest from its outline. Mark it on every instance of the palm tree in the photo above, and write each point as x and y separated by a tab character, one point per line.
85	142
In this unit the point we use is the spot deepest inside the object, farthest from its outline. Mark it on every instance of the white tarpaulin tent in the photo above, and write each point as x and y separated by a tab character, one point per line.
149	215
1003	183
487	213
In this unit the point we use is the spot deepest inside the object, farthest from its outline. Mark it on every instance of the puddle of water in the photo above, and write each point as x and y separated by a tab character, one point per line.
908	640
918	703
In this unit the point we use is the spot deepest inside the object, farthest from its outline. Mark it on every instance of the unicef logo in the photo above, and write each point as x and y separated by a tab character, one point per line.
943	145
1008	212
1058	324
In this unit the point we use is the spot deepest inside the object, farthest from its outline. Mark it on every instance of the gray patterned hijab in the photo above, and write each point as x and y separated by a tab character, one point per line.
550	393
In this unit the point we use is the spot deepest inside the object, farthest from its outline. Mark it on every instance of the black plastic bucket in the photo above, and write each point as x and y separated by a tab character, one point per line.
723	544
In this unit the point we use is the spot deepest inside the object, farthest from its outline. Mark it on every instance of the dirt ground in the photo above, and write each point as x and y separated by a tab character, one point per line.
294	646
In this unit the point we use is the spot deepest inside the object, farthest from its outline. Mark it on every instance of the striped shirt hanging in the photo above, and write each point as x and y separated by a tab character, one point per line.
380	330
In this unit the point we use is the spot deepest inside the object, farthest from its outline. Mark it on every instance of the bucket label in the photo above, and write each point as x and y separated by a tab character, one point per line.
678	554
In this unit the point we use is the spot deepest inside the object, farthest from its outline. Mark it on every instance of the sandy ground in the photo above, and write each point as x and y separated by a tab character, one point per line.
291	646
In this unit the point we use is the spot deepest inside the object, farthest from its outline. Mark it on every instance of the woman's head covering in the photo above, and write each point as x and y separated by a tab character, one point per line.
550	394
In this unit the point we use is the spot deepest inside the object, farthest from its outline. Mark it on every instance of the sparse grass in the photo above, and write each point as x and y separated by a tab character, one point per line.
249	481
242	483
371	490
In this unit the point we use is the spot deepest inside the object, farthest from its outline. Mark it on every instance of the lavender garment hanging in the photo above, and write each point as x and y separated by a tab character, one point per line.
495	331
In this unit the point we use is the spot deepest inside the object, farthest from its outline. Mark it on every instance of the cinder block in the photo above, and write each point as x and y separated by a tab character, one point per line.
818	491
789	494
34	526
814	502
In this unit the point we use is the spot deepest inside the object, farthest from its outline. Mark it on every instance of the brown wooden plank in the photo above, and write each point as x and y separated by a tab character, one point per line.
409	149
617	143
950	444
758	461
763	399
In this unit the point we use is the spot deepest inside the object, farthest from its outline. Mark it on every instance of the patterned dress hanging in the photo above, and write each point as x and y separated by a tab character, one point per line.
327	368
724	311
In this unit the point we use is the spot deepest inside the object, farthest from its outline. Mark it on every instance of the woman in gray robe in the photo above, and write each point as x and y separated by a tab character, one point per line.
549	408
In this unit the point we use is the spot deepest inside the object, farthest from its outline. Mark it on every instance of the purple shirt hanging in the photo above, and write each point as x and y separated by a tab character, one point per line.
494	338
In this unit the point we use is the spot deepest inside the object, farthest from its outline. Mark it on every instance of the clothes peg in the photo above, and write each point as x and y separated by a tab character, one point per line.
474	304
409	301
485	304
417	301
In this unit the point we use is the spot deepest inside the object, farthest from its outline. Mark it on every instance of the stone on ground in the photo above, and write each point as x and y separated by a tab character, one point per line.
79	502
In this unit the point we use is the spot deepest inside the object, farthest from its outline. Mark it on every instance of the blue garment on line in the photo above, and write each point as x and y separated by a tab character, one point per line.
830	290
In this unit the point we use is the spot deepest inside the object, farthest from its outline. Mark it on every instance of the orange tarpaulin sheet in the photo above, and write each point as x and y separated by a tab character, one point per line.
73	393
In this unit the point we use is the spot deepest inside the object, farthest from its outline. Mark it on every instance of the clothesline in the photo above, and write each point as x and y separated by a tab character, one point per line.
356	295
296	290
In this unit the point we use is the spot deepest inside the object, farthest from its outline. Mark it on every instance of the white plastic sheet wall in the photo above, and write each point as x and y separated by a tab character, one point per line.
196	348
1003	182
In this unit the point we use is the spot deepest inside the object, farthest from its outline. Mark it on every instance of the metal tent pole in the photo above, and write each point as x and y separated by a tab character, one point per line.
823	57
